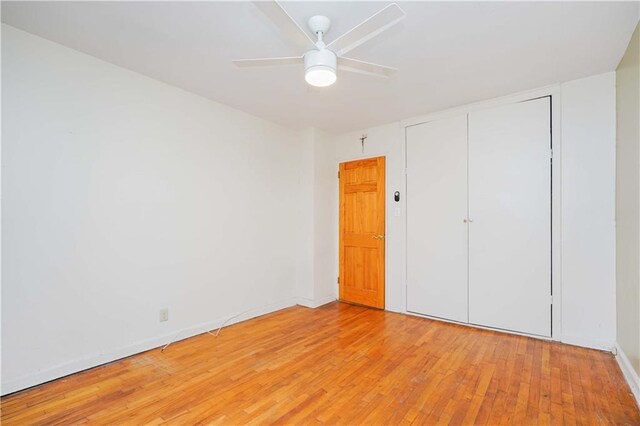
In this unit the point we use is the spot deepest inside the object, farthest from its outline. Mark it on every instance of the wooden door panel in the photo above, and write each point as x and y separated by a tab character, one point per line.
362	228
361	276
353	268
366	172
361	211
371	275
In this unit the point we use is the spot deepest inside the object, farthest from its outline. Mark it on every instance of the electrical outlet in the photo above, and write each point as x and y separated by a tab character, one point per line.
164	314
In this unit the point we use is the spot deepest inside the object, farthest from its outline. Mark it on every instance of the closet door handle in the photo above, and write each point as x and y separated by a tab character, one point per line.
467	220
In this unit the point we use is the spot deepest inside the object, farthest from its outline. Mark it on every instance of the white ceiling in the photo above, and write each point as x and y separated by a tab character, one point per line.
448	53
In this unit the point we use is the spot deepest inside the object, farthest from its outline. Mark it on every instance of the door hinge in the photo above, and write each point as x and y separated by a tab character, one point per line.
338	174
551	153
338	280
551	299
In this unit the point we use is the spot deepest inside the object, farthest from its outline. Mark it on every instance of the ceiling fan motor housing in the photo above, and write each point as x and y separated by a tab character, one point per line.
323	58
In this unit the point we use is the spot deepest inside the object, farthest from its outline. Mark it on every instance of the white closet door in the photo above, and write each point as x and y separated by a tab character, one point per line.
510	206
436	210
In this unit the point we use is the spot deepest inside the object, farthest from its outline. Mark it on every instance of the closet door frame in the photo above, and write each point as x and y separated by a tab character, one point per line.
556	194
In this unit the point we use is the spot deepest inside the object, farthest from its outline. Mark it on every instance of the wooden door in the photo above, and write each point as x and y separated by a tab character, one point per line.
362	232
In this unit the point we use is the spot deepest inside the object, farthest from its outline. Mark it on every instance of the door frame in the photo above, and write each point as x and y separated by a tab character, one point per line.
554	92
383	154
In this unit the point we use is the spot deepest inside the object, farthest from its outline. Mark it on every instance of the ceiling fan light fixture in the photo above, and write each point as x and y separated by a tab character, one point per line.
320	76
320	67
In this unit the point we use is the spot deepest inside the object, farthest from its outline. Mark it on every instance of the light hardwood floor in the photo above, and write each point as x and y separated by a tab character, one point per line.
340	364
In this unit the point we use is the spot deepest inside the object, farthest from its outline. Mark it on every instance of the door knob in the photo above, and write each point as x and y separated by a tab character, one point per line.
378	237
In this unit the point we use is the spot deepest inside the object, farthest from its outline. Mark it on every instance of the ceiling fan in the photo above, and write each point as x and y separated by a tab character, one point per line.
321	60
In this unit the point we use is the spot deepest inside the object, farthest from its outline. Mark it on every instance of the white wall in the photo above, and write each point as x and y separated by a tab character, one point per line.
628	210
587	302
123	195
318	268
588	208
325	270
305	220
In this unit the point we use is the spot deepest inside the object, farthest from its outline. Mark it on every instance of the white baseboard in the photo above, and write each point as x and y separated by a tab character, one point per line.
569	340
588	343
629	373
96	359
315	303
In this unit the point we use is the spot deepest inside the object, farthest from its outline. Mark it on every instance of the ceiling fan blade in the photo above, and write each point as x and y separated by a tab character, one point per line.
361	67
268	62
285	22
368	29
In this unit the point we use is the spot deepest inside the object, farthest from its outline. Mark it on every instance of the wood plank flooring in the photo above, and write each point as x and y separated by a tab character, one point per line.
340	364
